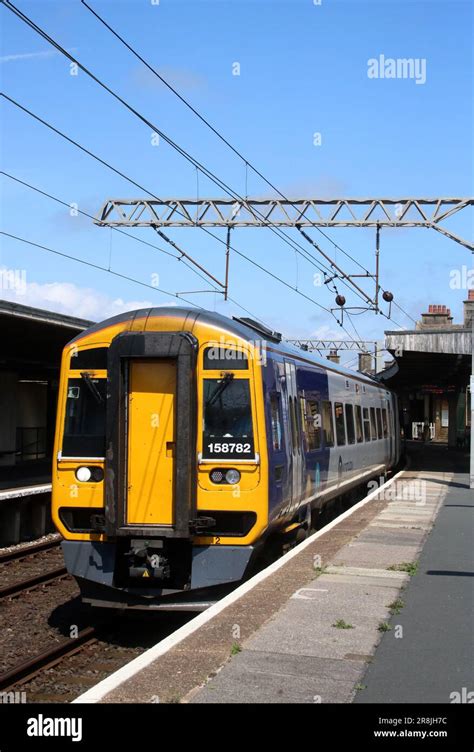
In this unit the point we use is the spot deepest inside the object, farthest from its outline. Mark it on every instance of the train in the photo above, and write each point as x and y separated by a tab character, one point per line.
185	441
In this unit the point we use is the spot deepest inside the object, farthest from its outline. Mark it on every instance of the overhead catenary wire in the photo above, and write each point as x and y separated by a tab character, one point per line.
101	268
209	125
129	235
163	135
103	162
125	177
205	171
181	151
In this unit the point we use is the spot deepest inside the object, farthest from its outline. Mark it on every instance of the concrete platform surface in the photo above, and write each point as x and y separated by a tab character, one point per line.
318	646
308	629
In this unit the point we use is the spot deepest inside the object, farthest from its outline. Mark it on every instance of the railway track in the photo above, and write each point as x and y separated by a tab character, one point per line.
47	659
26	585
26	551
28	567
63	670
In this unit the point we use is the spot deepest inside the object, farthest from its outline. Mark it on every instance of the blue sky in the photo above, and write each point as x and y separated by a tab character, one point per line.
303	69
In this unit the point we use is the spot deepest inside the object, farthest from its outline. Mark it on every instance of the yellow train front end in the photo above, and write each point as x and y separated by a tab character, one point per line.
160	476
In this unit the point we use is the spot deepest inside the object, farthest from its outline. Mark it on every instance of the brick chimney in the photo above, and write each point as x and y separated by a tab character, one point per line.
365	362
469	309
333	356
437	317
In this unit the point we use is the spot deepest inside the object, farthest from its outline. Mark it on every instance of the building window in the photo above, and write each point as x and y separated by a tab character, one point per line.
350	424
340	428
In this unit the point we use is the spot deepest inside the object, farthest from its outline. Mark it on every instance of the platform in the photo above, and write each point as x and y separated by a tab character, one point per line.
21	492
25	513
321	624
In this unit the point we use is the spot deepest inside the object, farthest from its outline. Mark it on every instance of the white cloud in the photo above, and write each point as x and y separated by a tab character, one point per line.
65	297
31	55
328	332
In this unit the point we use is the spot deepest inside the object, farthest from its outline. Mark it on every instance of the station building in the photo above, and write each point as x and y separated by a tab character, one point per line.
431	371
32	342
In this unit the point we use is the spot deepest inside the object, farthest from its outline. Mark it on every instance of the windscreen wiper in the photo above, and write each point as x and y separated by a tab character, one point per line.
225	381
92	387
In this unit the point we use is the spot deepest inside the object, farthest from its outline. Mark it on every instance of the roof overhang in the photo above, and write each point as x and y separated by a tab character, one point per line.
33	339
429	360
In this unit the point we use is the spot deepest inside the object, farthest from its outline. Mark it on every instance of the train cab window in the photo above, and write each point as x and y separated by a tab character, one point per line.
384	422
275	412
328	424
228	430
224	358
94	358
365	413
84	425
312	424
373	424
350	423
340	427
358	424
379	422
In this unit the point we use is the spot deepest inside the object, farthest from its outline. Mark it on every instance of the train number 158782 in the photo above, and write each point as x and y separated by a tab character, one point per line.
228	447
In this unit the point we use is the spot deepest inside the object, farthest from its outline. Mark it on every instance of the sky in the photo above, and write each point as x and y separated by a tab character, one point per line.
303	70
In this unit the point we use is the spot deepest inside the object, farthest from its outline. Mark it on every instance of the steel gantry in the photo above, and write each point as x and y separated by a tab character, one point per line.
370	347
276	212
334	344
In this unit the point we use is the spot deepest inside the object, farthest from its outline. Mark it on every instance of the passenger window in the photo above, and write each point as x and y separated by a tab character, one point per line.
340	429
312	423
328	425
358	424
276	421
294	424
384	422
373	425
350	424
366	423
379	423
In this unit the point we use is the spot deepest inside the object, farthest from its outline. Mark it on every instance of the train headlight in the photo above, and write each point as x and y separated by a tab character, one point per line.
232	477
217	476
86	474
83	474
224	476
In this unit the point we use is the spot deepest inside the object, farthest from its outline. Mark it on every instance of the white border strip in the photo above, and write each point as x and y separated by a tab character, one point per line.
21	491
103	688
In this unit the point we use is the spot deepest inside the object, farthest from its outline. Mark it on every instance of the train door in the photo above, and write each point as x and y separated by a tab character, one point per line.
391	432
295	434
151	442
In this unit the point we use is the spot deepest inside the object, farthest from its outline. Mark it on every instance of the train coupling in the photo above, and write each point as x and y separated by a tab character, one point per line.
147	559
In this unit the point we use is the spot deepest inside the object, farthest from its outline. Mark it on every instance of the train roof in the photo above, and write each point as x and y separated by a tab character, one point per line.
240	327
